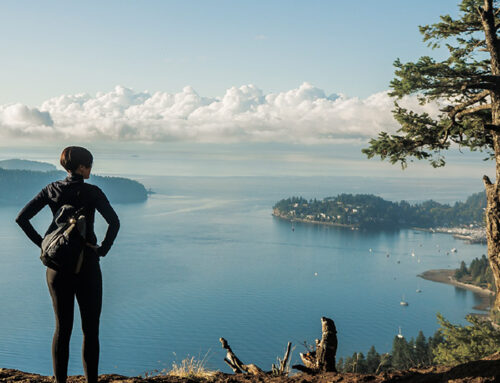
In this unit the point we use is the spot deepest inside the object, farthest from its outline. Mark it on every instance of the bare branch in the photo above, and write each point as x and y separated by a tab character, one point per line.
458	108
473	110
446	133
487	181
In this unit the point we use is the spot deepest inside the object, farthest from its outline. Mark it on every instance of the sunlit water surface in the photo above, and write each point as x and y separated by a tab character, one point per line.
203	258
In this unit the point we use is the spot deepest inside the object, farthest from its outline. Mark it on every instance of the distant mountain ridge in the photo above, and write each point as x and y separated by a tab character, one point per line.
18	186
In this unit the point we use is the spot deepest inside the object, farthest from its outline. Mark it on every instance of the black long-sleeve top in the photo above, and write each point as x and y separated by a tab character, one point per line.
72	191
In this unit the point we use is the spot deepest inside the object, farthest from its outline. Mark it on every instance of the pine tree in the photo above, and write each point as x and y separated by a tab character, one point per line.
362	367
340	365
433	343
466	343
467	85
462	271
475	269
421	350
401	354
372	360
349	365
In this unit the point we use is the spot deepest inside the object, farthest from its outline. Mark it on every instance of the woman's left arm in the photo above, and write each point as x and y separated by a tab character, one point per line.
28	212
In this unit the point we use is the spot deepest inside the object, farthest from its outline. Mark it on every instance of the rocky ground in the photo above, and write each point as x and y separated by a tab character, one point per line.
481	371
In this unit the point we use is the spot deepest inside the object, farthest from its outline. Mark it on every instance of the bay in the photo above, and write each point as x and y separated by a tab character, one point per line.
203	258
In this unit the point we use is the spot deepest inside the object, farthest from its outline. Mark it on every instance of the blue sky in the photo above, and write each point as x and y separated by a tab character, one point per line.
265	87
52	48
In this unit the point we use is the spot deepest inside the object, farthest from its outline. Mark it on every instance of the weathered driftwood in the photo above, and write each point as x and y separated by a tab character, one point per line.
238	367
323	358
281	369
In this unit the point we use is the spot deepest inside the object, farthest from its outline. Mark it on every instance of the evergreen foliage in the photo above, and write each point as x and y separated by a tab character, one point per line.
402	354
372	360
461	84
466	88
450	345
422	348
479	273
462	344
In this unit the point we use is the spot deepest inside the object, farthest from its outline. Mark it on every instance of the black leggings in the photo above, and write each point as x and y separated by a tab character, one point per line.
87	287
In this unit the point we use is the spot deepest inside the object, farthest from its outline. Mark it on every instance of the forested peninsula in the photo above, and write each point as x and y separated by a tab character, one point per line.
369	211
19	186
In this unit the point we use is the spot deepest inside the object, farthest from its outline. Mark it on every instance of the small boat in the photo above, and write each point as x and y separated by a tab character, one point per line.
419	291
453	250
400	336
403	302
387	255
370	250
413	253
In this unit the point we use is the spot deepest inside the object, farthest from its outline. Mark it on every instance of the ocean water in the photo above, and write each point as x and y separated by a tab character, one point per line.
203	258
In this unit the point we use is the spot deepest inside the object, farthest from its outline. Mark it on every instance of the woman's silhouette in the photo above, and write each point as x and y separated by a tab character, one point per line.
86	286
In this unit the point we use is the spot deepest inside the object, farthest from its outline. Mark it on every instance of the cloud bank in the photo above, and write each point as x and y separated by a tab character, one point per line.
245	114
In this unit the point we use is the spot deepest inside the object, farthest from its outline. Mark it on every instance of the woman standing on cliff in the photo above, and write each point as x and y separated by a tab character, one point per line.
86	285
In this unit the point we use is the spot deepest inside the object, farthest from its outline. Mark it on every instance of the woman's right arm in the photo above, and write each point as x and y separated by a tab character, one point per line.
28	212
104	208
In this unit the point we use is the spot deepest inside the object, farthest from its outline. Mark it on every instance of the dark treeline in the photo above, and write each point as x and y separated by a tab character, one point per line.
450	345
479	273
404	355
18	186
366	210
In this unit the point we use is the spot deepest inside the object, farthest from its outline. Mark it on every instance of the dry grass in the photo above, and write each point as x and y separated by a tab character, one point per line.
191	367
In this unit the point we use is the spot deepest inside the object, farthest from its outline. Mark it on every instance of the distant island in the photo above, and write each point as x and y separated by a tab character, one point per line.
369	211
16	164
18	186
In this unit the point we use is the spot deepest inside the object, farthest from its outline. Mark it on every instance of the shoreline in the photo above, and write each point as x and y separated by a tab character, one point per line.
446	276
471	236
313	222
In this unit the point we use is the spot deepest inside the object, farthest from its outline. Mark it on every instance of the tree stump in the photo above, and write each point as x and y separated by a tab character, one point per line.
323	358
